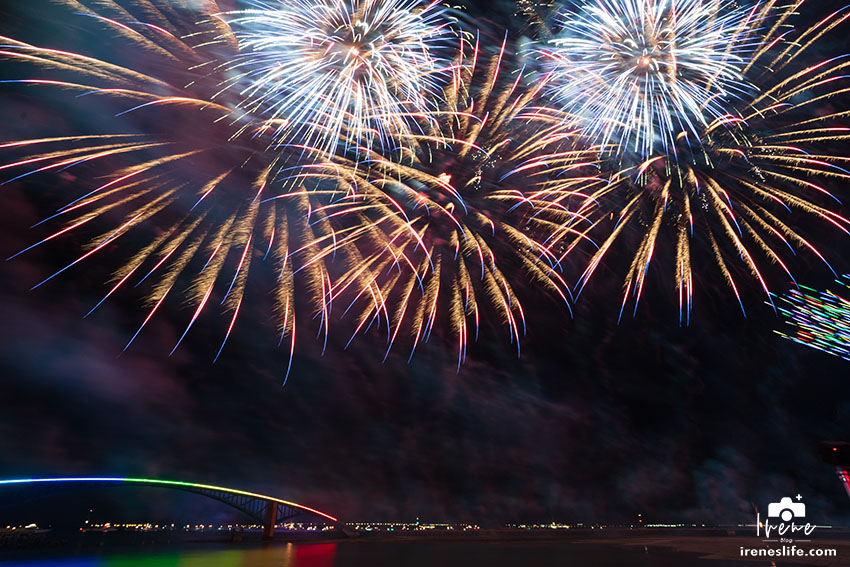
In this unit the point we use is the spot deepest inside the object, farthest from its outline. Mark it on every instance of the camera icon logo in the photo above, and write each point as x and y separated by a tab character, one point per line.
786	509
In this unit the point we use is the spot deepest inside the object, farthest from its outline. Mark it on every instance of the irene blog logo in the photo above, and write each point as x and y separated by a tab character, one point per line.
785	520
786	529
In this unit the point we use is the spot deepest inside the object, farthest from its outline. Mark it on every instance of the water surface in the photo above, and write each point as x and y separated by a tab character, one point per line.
385	554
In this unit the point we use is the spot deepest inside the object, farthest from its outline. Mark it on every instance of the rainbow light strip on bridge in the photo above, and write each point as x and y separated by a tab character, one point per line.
172	483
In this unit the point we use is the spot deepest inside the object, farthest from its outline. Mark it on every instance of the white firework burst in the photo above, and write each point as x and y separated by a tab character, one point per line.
338	74
636	74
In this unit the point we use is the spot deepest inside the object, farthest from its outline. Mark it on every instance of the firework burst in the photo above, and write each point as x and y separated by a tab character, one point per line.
818	319
633	74
350	73
731	189
453	229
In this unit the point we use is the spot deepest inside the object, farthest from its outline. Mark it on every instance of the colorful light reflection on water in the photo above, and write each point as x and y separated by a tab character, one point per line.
289	555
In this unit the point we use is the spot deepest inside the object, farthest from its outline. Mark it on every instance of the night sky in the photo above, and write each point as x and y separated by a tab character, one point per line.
596	421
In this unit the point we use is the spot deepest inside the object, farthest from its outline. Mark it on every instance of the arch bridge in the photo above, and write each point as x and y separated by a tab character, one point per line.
266	510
